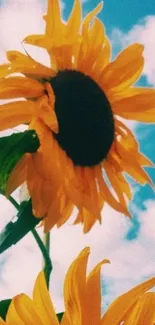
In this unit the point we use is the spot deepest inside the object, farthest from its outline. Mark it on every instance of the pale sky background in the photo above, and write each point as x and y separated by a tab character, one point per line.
130	245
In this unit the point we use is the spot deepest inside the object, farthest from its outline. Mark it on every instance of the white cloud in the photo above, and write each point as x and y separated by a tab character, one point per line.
142	32
19	18
21	265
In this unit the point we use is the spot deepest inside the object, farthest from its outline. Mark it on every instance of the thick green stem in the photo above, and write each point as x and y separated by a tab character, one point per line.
45	248
47	266
45	252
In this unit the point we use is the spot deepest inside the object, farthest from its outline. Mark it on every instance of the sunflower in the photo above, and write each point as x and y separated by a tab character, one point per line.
76	106
82	297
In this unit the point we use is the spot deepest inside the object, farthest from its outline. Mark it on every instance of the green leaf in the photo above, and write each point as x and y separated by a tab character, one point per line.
12	148
59	316
4	305
13	232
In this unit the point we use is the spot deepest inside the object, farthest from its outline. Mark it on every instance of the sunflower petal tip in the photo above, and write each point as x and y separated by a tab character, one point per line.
100	5
107	261
140	46
129	215
85	251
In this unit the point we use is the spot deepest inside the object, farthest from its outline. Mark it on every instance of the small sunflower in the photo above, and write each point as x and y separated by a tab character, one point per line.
75	107
82	298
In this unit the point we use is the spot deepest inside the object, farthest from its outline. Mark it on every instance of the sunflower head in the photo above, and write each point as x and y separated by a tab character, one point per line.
76	106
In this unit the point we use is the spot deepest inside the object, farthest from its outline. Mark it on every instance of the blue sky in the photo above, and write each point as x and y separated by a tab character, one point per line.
128	244
121	13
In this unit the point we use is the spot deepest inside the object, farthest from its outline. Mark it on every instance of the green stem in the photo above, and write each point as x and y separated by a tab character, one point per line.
45	248
14	202
47	266
45	252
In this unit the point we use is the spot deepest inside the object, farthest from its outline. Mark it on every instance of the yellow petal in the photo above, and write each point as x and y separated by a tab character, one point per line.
126	137
112	176
129	92
74	21
12	316
103	58
53	21
45	111
139	105
144	161
35	183
43	301
124	185
129	164
124	70
88	218
18	175
146	117
38	40
65	320
94	46
15	113
107	195
75	289
23	309
25	64
54	215
93	288
14	87
66	214
143	312
118	310
4	70
87	20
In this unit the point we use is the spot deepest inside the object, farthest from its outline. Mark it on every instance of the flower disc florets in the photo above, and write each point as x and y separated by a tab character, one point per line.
86	124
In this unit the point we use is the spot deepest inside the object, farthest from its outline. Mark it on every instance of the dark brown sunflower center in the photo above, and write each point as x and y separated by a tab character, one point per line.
86	124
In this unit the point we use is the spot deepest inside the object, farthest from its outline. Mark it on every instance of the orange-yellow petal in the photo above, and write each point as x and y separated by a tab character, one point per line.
144	161
4	70
23	311
112	176
14	87
120	308
107	195
15	113
129	163
75	289
18	175
46	113
35	183
146	117
140	105
38	40
89	17
43	302
53	18
124	70
93	298
27	65
74	20
143	312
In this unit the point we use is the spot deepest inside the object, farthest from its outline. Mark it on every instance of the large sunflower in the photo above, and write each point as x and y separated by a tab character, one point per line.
82	297
75	106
